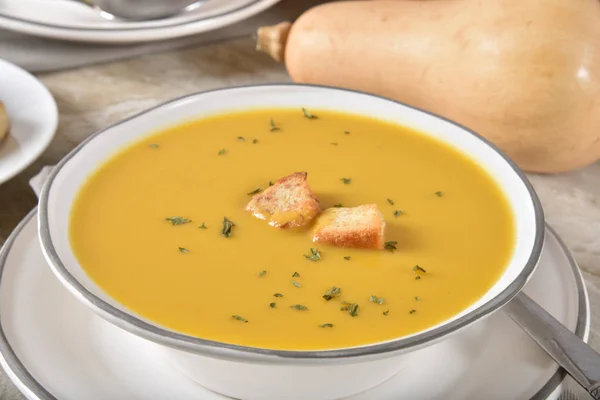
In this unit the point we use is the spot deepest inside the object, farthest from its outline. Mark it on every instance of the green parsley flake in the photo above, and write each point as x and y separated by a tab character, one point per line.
274	128
299	307
272	305
262	273
390	246
352	308
314	255
297	284
278	295
326	326
222	152
398	213
183	250
346	181
227	230
237	317
308	115
375	299
178	220
331	293
255	191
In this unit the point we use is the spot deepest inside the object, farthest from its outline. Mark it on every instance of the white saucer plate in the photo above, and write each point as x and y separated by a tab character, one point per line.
53	347
69	20
33	118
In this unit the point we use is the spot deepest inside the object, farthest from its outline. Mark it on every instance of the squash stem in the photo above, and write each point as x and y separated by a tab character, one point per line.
272	39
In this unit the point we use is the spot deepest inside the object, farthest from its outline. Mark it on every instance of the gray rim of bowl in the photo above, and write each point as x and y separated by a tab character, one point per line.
225	350
25	379
200	19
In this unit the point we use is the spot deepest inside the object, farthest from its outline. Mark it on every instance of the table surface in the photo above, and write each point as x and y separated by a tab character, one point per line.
92	97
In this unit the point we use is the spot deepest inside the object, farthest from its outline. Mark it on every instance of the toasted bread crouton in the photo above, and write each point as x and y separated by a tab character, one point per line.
359	227
289	203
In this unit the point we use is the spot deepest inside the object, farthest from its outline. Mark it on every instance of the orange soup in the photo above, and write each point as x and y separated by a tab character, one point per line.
148	228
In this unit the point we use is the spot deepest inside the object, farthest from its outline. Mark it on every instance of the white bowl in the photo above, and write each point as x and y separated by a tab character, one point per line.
253	373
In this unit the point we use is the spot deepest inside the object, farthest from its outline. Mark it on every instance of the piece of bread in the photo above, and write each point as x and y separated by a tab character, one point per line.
359	227
3	122
289	203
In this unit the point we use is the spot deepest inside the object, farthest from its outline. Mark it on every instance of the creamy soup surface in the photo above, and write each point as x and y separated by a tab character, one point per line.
147	228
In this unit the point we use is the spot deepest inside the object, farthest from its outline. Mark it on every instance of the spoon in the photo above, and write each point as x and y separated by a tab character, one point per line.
140	10
570	352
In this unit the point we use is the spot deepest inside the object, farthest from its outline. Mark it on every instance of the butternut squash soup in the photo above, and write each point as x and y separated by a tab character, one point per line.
162	228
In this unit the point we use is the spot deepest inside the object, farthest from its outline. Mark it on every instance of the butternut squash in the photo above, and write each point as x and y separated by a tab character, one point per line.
523	73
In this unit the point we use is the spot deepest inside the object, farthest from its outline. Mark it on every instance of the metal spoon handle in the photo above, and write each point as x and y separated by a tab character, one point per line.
570	352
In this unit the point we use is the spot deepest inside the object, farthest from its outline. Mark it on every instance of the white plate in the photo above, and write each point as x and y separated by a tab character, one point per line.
33	119
53	347
68	20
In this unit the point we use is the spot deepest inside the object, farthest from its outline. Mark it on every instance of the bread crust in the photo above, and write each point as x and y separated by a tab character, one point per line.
289	203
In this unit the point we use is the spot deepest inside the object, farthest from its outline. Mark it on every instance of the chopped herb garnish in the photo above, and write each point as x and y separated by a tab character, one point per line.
183	250
352	308
239	318
346	132
326	326
296	275
272	305
398	213
308	115
375	299
417	298
339	205
333	143
418	277
314	255
390	201
222	152
439	194
203	226
412	311
153	146
297	284
270	183
299	307
255	191
278	295
390	246
241	138
274	128
178	220
346	180
347	257
418	268
227	228
386	312
254	141
262	273
331	293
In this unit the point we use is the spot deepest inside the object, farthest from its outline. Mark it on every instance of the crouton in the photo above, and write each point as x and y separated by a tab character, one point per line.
289	203
359	227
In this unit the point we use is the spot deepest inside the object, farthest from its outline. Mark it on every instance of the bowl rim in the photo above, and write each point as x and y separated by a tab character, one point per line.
218	349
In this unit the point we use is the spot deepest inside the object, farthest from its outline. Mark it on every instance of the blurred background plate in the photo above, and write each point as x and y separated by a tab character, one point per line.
33	118
68	20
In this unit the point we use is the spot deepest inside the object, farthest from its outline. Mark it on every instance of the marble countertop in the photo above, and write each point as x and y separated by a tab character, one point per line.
92	97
